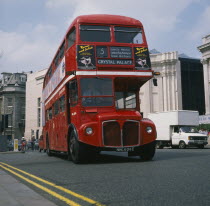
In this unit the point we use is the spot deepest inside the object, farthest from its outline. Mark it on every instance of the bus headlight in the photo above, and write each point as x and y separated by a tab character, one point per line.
149	130
89	131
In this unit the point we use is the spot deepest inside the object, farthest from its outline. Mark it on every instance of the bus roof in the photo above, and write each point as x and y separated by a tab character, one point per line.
106	19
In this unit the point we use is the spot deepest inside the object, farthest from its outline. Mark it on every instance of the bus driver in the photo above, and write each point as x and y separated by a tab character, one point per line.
90	91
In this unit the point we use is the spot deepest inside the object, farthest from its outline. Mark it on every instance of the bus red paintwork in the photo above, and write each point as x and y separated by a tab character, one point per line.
94	51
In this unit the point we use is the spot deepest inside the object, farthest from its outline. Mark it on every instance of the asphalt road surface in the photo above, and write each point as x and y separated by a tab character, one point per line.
174	177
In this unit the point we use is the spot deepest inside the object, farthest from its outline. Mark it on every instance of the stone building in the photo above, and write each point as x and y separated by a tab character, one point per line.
34	86
205	50
12	104
180	84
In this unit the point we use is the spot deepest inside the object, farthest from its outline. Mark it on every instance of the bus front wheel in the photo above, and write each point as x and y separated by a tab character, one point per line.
76	150
148	151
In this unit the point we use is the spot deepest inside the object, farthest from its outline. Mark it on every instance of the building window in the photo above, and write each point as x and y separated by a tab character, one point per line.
10	120
22	78
39	102
39	117
38	112
22	100
9	102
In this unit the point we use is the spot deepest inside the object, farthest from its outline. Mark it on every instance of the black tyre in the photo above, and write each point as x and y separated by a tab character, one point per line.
182	145
76	150
148	151
49	152
160	147
201	146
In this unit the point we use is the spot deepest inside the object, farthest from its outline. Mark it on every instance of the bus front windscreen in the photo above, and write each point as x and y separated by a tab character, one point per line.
96	91
128	35
93	33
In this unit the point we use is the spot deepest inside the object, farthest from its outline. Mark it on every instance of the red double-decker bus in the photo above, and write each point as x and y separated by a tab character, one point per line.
91	90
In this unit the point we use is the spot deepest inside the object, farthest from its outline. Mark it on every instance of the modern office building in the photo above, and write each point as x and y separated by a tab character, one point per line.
34	86
180	84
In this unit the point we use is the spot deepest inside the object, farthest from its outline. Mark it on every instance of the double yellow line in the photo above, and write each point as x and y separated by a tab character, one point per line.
60	197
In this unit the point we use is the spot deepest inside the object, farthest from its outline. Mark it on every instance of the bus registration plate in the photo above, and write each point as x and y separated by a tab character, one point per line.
125	149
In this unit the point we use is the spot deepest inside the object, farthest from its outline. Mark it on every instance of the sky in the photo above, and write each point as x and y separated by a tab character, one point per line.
32	30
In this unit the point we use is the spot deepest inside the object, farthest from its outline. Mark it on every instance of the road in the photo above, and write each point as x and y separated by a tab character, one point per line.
174	177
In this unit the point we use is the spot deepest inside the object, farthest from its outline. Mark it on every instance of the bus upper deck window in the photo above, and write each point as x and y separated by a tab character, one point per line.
128	35
93	33
71	38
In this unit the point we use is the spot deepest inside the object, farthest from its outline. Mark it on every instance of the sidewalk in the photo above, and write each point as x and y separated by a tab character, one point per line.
14	193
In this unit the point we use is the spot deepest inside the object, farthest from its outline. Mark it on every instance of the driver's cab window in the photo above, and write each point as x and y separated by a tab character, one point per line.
73	93
176	129
125	100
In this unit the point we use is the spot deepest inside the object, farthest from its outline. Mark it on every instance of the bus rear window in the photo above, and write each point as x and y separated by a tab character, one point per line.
128	35
93	33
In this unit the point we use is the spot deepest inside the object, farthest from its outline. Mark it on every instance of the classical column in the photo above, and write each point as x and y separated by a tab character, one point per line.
206	84
165	102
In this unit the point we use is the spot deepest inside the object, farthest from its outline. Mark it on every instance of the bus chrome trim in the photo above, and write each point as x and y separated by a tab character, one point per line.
113	73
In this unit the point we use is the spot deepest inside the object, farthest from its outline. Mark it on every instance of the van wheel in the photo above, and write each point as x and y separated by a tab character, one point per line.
201	146
49	152
159	145
148	151
182	145
76	150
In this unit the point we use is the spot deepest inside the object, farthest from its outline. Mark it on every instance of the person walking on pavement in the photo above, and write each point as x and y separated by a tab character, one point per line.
32	143
23	144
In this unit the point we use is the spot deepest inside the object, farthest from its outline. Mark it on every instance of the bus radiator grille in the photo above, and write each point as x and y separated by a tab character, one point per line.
130	133
111	133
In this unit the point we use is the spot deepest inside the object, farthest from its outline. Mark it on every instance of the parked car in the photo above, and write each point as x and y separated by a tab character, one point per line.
28	146
36	144
10	146
19	145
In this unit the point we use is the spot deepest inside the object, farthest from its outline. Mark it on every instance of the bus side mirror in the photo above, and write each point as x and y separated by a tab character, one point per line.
155	82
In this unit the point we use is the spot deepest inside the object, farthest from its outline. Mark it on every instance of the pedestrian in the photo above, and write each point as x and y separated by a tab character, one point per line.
32	143
23	144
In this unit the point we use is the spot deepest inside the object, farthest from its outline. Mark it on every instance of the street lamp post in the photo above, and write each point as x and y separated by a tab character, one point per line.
11	122
4	126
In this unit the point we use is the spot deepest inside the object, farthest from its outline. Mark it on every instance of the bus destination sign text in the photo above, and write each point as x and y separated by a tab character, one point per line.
115	61
121	52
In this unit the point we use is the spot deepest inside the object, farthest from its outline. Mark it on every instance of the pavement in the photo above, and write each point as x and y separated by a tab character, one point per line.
14	193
